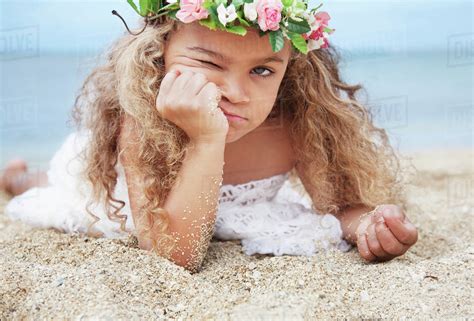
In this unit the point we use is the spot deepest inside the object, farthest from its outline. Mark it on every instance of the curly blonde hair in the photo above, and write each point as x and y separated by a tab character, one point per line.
348	160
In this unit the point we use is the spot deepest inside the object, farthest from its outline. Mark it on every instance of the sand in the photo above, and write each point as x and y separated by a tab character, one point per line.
47	274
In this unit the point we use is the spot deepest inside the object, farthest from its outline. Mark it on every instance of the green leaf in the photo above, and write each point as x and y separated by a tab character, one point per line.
172	13
328	30
207	4
298	42
237	3
154	4
170	6
237	30
134	6
276	40
287	3
298	26
144	7
300	5
208	23
242	20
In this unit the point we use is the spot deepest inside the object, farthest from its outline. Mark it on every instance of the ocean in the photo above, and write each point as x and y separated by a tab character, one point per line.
423	99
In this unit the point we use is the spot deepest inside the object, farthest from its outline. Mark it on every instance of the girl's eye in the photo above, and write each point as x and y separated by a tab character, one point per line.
264	68
208	62
260	75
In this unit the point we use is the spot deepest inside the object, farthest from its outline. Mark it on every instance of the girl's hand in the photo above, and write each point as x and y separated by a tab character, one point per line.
185	98
385	234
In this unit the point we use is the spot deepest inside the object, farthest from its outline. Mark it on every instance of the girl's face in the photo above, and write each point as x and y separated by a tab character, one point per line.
245	68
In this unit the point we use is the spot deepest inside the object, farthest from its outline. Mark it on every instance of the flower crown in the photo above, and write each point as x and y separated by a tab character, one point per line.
305	29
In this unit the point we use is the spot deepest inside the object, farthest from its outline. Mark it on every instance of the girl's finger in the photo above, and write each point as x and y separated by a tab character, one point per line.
194	87
404	231
388	241
363	248
180	83
373	242
165	85
168	79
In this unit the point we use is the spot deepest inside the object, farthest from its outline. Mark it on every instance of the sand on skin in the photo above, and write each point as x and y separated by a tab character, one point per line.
47	274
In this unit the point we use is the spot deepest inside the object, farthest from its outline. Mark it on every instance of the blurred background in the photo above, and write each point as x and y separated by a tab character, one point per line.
414	58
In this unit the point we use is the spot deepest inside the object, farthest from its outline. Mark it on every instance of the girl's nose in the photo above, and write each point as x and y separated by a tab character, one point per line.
235	90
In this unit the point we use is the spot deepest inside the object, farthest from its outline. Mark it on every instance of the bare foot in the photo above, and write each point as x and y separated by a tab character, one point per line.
15	179
13	169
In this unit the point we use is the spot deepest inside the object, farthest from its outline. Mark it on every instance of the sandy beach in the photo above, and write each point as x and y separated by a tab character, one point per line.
48	274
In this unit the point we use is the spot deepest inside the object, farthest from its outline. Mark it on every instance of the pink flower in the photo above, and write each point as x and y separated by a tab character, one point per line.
322	18
191	10
317	37
269	14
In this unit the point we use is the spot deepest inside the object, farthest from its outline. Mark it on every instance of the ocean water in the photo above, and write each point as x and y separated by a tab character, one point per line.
423	99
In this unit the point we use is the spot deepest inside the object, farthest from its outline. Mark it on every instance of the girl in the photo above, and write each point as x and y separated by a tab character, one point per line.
186	133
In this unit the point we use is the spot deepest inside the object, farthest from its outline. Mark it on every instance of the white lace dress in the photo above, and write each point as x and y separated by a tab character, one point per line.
269	216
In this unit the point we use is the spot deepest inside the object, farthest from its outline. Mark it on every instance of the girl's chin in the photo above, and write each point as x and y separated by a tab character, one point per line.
232	136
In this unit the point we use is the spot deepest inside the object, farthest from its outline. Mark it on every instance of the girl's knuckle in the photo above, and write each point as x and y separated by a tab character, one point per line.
210	86
393	248
200	76
375	247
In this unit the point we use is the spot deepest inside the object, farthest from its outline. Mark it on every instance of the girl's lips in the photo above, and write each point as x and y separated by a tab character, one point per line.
231	115
234	118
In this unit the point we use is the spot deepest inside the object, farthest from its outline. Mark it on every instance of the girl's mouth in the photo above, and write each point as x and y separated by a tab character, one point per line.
232	117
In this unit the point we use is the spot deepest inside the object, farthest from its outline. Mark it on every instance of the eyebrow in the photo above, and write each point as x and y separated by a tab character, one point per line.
221	57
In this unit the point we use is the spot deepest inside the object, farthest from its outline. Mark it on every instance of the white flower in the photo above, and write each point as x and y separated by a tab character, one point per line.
313	23
315	44
309	17
171	1
250	11
226	15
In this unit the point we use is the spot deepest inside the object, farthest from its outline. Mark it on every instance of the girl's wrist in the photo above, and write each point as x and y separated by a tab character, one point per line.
360	220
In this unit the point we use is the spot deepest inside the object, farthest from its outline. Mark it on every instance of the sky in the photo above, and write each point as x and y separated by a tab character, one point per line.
363	26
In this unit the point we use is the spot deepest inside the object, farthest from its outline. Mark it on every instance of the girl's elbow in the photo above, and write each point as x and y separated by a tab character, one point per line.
185	260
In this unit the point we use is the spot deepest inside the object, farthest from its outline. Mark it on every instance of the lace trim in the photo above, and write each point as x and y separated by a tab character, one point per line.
252	192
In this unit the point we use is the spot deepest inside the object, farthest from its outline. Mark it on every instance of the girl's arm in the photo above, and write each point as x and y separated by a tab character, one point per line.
191	203
349	217
381	233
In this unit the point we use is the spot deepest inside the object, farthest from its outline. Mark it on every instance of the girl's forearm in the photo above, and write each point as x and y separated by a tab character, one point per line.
192	203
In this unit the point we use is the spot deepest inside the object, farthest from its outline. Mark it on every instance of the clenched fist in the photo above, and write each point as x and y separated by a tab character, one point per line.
185	98
385	234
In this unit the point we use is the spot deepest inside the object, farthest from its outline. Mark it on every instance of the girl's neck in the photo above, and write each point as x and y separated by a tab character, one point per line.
260	154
